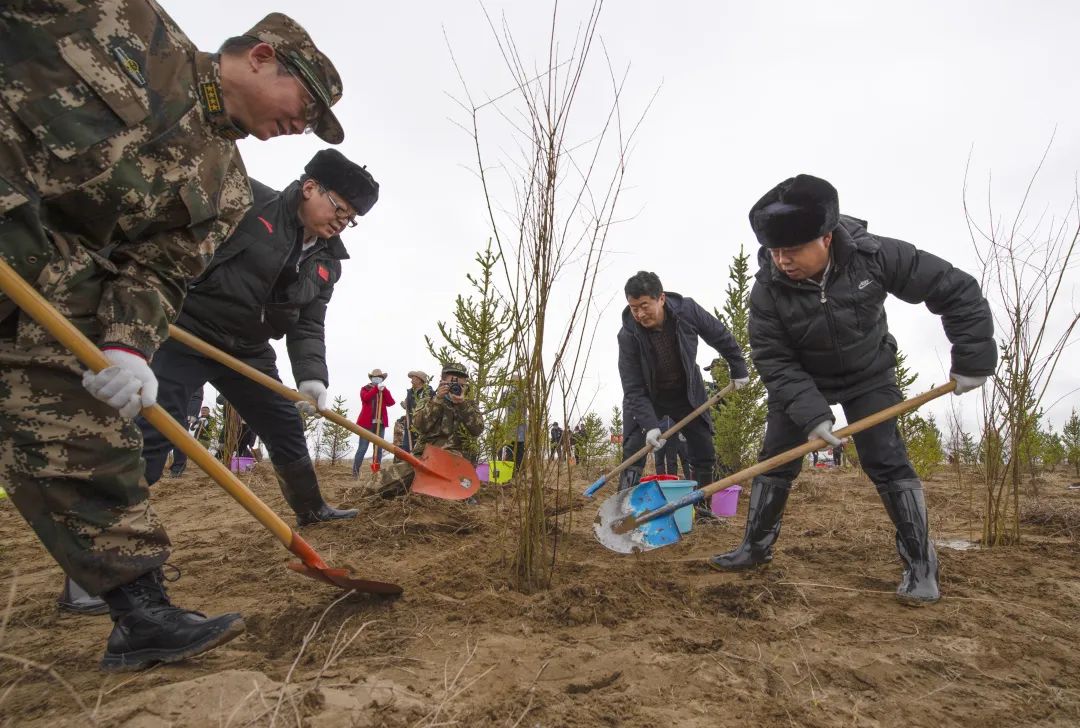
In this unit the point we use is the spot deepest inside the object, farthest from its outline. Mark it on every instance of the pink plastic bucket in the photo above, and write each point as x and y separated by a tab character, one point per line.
240	465
482	472
726	502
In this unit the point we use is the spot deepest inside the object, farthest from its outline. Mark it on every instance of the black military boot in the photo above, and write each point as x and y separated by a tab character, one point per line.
77	600
148	629
300	487
906	506
629	478
768	496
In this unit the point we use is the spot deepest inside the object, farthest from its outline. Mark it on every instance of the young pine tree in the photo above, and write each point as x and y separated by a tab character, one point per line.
479	339
1070	440
333	438
615	434
739	419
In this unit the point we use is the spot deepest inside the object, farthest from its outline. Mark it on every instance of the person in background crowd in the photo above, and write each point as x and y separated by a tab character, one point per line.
448	420
556	440
418	393
369	398
179	462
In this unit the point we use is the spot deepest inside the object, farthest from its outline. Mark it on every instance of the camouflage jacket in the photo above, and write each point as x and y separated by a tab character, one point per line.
450	426
113	124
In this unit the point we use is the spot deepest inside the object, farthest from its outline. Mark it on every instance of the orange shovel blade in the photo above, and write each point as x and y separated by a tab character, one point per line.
341	579
443	474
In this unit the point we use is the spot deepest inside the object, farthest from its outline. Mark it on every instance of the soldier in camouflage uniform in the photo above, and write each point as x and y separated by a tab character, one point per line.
119	176
446	420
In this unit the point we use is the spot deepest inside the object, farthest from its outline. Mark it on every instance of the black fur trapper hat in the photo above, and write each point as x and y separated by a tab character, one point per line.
796	211
335	172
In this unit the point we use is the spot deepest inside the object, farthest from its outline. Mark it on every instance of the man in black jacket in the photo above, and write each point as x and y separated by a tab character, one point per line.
819	337
658	368
273	277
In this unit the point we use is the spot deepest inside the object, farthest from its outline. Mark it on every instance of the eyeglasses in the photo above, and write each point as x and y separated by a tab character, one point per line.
339	210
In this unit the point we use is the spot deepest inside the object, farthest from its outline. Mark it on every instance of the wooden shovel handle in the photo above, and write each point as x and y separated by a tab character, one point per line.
212	352
817	443
30	301
674	429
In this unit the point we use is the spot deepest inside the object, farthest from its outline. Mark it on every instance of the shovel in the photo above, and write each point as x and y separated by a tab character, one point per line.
439	473
376	457
649	448
641	519
311	564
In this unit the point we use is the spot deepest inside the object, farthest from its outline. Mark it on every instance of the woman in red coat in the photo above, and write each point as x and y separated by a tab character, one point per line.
369	398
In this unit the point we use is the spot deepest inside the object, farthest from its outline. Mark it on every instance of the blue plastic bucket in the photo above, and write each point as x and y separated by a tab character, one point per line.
673	490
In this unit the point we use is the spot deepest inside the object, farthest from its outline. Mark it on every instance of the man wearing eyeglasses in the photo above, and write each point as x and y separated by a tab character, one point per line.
272	278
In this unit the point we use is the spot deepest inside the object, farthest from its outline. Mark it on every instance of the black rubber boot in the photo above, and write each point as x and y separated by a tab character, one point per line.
629	478
148	629
77	600
768	496
300	486
906	506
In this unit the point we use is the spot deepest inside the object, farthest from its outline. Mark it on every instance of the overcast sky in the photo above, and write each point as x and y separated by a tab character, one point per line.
886	101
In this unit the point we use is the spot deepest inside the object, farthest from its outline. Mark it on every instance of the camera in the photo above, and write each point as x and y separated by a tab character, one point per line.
455	389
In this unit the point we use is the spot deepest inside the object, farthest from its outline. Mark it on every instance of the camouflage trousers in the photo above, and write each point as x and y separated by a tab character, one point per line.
395	479
70	464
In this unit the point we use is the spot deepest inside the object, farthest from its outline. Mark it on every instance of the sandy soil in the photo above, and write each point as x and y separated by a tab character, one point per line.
654	639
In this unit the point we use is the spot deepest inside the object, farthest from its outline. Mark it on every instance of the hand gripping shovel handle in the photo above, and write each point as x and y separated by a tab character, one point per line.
39	309
212	352
591	490
631	522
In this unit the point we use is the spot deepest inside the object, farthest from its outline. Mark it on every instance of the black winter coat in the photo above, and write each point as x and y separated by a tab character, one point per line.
814	347
235	304
636	368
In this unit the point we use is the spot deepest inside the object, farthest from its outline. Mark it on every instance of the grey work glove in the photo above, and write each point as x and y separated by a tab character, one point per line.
965	383
824	431
740	383
652	437
313	389
128	384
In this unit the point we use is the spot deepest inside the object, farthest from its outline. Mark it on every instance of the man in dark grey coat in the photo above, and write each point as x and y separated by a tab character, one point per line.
658	368
819	336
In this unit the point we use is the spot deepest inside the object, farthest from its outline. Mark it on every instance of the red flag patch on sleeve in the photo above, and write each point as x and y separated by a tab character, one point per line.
324	273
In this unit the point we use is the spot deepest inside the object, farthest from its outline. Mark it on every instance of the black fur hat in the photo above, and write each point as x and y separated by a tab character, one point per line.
796	211
335	172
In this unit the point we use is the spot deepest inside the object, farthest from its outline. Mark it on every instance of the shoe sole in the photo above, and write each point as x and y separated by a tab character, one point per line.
94	611
143	659
909	601
735	569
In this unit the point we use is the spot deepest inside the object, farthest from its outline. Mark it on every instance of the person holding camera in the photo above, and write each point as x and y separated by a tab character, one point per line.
447	420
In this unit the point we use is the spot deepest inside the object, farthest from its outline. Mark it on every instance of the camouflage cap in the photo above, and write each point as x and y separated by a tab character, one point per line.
454	368
298	52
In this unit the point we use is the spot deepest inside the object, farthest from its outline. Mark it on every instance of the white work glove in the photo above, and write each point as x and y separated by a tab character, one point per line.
127	383
740	383
965	383
653	438
313	389
824	431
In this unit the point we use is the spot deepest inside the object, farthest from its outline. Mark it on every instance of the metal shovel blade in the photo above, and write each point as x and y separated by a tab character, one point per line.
445	475
662	531
341	579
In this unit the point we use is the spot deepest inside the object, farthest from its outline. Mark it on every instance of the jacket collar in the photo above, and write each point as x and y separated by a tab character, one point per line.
849	237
